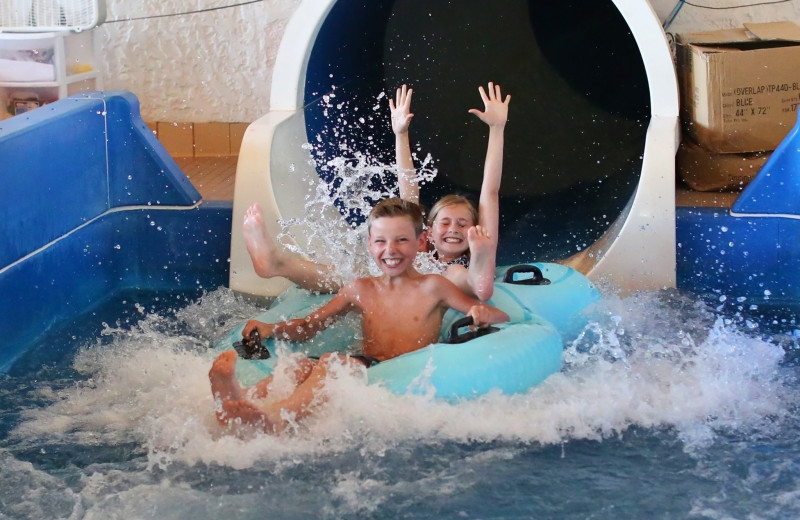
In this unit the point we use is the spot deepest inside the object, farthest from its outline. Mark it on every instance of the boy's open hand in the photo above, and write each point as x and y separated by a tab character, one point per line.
495	107
401	110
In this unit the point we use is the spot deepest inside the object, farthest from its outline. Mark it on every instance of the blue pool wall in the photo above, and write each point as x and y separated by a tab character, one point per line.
91	204
738	260
749	254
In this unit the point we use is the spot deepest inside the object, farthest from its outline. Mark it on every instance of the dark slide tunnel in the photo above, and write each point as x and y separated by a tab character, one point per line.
577	122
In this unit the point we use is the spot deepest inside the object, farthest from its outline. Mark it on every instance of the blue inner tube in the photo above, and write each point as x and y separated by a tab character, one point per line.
544	301
559	298
517	357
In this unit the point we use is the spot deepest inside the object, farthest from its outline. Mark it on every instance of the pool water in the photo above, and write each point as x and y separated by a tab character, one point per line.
667	407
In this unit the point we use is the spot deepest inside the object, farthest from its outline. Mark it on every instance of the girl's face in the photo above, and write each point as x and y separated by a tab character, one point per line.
449	231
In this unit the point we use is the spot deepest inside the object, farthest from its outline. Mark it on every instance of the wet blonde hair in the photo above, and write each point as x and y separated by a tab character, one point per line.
452	200
397	207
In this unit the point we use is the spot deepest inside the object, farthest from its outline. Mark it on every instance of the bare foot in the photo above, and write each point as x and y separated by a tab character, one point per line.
270	259
224	386
263	252
483	250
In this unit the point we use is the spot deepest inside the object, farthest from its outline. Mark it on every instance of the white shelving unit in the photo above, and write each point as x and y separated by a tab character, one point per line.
73	57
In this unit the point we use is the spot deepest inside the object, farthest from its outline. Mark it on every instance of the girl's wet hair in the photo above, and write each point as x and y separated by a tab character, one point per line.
397	207
452	200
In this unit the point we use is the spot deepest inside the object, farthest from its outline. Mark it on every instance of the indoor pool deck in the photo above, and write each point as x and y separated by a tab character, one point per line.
213	177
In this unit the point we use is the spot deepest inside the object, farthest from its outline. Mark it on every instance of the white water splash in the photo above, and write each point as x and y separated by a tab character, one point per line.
151	386
360	181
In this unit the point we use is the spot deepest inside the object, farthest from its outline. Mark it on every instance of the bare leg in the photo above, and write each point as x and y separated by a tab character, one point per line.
302	370
270	260
224	386
223	381
270	418
308	394
235	408
483	253
246	413
229	396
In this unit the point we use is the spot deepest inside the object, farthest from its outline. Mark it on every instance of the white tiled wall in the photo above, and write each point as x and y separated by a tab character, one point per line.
208	66
217	65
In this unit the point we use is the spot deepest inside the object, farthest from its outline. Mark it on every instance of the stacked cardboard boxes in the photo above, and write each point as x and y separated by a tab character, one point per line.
200	139
740	90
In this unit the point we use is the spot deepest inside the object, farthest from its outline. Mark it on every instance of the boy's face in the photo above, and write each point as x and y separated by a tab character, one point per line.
394	245
449	231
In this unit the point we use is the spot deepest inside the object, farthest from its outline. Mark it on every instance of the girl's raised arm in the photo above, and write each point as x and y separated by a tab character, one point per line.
483	238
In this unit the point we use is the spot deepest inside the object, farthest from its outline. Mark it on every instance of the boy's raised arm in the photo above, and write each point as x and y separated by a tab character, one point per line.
401	120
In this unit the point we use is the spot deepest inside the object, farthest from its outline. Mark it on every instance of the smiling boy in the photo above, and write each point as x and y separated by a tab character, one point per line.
401	311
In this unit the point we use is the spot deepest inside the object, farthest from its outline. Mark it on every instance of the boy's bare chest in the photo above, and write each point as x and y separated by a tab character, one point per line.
395	327
398	301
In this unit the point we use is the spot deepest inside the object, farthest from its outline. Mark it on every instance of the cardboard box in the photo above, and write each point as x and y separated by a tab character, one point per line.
702	170
177	138
740	87
237	135
212	140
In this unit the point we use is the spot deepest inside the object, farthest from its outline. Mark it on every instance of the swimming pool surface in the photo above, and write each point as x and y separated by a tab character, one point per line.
667	408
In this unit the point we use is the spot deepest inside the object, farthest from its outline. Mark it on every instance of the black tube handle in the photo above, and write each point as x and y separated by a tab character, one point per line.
466	321
537	278
252	347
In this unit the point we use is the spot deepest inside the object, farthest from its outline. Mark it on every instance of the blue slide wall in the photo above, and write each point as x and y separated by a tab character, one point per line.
750	254
91	204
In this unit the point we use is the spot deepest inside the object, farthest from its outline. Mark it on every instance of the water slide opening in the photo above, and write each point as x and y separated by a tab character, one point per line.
586	87
575	136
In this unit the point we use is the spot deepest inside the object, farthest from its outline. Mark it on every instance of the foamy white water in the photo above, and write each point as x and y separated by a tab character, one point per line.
140	414
151	386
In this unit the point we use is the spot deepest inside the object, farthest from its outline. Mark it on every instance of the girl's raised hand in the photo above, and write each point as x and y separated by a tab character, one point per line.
401	110
495	107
